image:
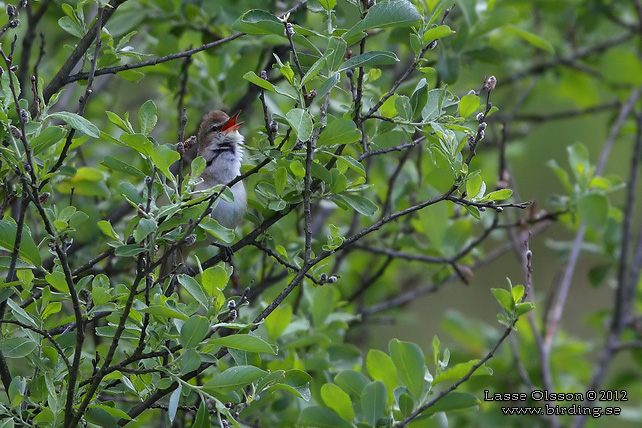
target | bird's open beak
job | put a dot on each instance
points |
(231, 124)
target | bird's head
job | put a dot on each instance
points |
(218, 130)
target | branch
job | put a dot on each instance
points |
(54, 86)
(63, 76)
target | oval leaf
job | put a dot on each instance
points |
(245, 342)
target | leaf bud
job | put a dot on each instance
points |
(190, 240)
(263, 75)
(490, 83)
(231, 305)
(148, 180)
(14, 23)
(323, 277)
(470, 138)
(480, 117)
(16, 132)
(332, 279)
(44, 197)
(312, 94)
(189, 143)
(482, 208)
(432, 45)
(273, 127)
(529, 255)
(349, 73)
(11, 11)
(482, 134)
(472, 92)
(482, 126)
(298, 145)
(24, 115)
(27, 166)
(289, 29)
(180, 148)
(32, 78)
(233, 315)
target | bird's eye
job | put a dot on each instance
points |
(215, 128)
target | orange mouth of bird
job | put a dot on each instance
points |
(231, 124)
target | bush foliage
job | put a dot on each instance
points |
(378, 164)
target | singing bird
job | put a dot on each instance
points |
(219, 143)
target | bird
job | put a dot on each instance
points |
(219, 143)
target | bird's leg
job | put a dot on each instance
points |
(226, 252)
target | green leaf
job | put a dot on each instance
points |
(301, 122)
(328, 4)
(460, 370)
(339, 131)
(144, 228)
(406, 404)
(280, 180)
(438, 32)
(77, 122)
(261, 83)
(314, 69)
(118, 165)
(258, 22)
(128, 250)
(138, 142)
(17, 347)
(474, 184)
(504, 297)
(369, 58)
(322, 418)
(498, 195)
(411, 365)
(202, 419)
(47, 138)
(468, 105)
(163, 311)
(278, 321)
(164, 157)
(373, 401)
(361, 204)
(120, 122)
(20, 314)
(393, 13)
(351, 381)
(174, 401)
(245, 342)
(522, 308)
(193, 331)
(147, 117)
(217, 230)
(194, 289)
(337, 48)
(28, 249)
(453, 401)
(381, 367)
(418, 98)
(593, 208)
(336, 399)
(57, 280)
(531, 38)
(517, 292)
(234, 378)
